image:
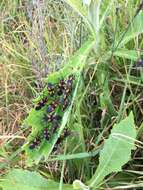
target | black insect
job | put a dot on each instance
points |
(65, 134)
(55, 127)
(52, 118)
(55, 147)
(59, 91)
(62, 84)
(139, 8)
(52, 107)
(35, 143)
(61, 87)
(68, 87)
(70, 80)
(65, 104)
(48, 118)
(67, 90)
(46, 134)
(139, 63)
(60, 139)
(71, 77)
(57, 118)
(58, 143)
(64, 101)
(64, 97)
(51, 89)
(41, 104)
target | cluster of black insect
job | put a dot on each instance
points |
(59, 97)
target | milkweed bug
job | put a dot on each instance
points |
(46, 134)
(52, 107)
(51, 88)
(41, 104)
(35, 143)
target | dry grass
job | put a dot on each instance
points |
(34, 41)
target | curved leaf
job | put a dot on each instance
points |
(26, 180)
(116, 151)
(134, 30)
(77, 5)
(127, 54)
(75, 64)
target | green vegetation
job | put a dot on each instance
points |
(94, 49)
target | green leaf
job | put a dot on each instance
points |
(103, 83)
(116, 151)
(78, 7)
(78, 185)
(134, 30)
(35, 118)
(75, 64)
(93, 15)
(108, 5)
(74, 156)
(127, 54)
(86, 2)
(19, 179)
